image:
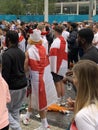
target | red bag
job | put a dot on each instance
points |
(73, 126)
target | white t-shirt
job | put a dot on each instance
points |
(95, 40)
(87, 118)
(65, 34)
(45, 43)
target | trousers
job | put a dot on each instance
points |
(17, 98)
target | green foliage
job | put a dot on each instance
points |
(15, 7)
(19, 7)
(51, 7)
(3, 7)
(11, 7)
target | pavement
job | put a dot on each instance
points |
(57, 120)
(34, 124)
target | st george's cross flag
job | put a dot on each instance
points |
(58, 56)
(43, 89)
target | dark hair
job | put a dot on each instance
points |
(22, 23)
(35, 26)
(58, 29)
(55, 23)
(87, 34)
(12, 37)
(73, 25)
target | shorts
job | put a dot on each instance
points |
(56, 77)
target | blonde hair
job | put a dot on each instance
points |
(31, 42)
(86, 72)
(41, 27)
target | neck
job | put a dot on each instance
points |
(86, 47)
(11, 45)
(58, 35)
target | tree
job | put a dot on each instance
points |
(20, 7)
(3, 8)
(36, 7)
(52, 7)
(14, 7)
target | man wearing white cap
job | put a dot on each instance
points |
(43, 88)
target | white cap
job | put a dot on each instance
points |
(36, 35)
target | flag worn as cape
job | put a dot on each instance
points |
(58, 56)
(43, 89)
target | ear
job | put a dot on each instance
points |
(83, 41)
(7, 41)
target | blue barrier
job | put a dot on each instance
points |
(71, 18)
(39, 18)
(8, 17)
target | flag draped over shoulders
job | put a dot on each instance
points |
(58, 56)
(43, 88)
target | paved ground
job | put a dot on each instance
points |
(34, 124)
(56, 120)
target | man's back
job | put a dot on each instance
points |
(13, 68)
(13, 72)
(91, 54)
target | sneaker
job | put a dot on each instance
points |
(24, 119)
(42, 128)
(38, 116)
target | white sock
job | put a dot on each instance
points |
(58, 99)
(44, 122)
(62, 98)
(28, 114)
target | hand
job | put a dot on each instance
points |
(69, 73)
(68, 78)
(70, 103)
(65, 80)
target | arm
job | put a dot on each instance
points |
(95, 40)
(72, 38)
(8, 97)
(26, 62)
(6, 67)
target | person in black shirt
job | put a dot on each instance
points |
(13, 72)
(85, 37)
(72, 45)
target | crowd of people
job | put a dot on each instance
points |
(44, 57)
